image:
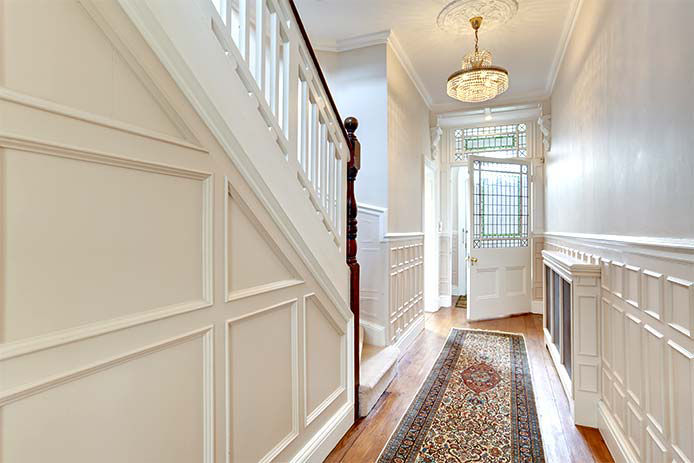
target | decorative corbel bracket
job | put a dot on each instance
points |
(545, 123)
(435, 133)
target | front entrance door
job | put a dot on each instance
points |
(498, 241)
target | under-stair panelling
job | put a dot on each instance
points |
(157, 302)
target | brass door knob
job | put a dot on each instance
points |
(473, 260)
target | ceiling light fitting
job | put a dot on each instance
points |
(478, 80)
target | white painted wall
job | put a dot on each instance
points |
(357, 80)
(622, 123)
(408, 145)
(621, 167)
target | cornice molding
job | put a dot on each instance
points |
(352, 43)
(386, 37)
(409, 69)
(567, 32)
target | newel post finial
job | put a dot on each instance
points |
(353, 165)
(351, 125)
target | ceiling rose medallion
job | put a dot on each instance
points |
(456, 15)
(478, 80)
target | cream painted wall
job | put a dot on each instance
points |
(622, 122)
(408, 144)
(357, 81)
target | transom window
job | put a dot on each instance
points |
(499, 141)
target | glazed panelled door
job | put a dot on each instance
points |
(499, 251)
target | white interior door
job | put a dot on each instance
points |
(498, 244)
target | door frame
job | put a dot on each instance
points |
(461, 202)
(431, 244)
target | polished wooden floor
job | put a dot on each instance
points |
(563, 442)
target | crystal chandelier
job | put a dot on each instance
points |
(478, 80)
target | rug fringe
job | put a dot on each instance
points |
(490, 331)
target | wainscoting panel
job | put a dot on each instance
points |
(74, 421)
(247, 241)
(110, 228)
(646, 345)
(263, 389)
(392, 278)
(372, 253)
(324, 341)
(406, 283)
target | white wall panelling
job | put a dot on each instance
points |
(392, 294)
(50, 405)
(325, 379)
(372, 254)
(262, 401)
(242, 245)
(121, 181)
(647, 355)
(405, 283)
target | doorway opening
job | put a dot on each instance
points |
(459, 234)
(490, 220)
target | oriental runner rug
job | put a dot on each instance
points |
(476, 405)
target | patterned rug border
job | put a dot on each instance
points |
(440, 359)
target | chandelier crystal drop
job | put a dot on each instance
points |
(478, 80)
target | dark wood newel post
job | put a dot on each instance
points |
(351, 125)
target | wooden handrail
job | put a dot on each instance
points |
(316, 64)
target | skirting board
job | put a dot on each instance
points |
(409, 336)
(325, 440)
(615, 440)
(536, 307)
(374, 333)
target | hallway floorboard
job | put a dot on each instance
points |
(563, 442)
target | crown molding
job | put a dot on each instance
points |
(352, 43)
(386, 37)
(409, 69)
(567, 32)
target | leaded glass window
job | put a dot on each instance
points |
(458, 154)
(500, 205)
(499, 141)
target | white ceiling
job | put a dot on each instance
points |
(530, 45)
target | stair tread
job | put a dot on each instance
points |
(375, 363)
